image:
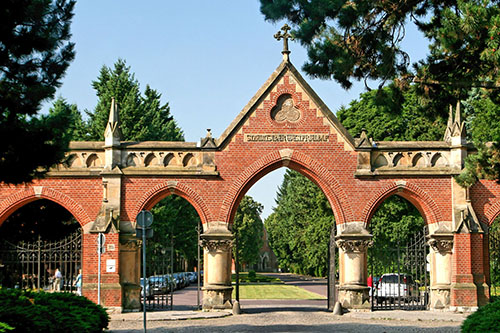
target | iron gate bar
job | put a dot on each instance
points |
(494, 254)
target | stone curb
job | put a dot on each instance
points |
(169, 315)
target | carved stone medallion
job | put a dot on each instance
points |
(285, 110)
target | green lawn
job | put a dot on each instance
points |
(274, 291)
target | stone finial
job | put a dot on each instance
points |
(285, 36)
(208, 141)
(113, 133)
(455, 129)
(363, 141)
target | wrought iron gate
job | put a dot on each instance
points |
(399, 279)
(32, 265)
(160, 283)
(494, 249)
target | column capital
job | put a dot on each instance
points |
(441, 242)
(355, 243)
(217, 240)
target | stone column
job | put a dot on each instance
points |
(440, 269)
(130, 268)
(353, 290)
(217, 289)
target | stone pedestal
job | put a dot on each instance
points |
(441, 245)
(353, 291)
(217, 290)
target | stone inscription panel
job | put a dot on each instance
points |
(286, 137)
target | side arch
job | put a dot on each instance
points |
(493, 212)
(411, 192)
(21, 198)
(295, 160)
(160, 191)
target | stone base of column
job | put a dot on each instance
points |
(354, 297)
(131, 297)
(440, 297)
(217, 297)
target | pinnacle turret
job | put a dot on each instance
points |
(113, 133)
(455, 129)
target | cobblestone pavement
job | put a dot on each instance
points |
(302, 319)
(289, 316)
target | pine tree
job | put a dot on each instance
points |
(143, 118)
(34, 54)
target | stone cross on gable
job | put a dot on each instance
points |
(285, 36)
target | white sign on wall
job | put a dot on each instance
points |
(110, 265)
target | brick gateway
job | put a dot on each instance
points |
(285, 124)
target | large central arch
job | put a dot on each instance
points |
(297, 161)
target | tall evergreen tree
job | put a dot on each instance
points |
(143, 118)
(248, 228)
(34, 54)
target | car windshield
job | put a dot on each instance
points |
(394, 279)
(156, 279)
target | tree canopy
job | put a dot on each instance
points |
(248, 228)
(34, 54)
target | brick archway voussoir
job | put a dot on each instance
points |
(409, 191)
(160, 191)
(493, 212)
(21, 198)
(295, 160)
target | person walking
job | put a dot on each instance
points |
(78, 283)
(57, 279)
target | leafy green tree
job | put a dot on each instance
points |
(300, 225)
(34, 54)
(392, 225)
(248, 228)
(143, 118)
(76, 128)
(174, 217)
(391, 114)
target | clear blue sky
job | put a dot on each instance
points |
(206, 58)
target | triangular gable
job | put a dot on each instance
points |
(287, 68)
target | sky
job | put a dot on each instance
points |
(206, 58)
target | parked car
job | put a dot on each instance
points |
(387, 288)
(159, 284)
(149, 294)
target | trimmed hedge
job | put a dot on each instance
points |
(29, 311)
(485, 319)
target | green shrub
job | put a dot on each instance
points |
(30, 311)
(486, 319)
(4, 327)
(252, 276)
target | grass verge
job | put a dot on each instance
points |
(274, 291)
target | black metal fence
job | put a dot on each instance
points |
(399, 279)
(494, 250)
(33, 265)
(161, 282)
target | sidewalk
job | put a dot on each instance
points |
(169, 315)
